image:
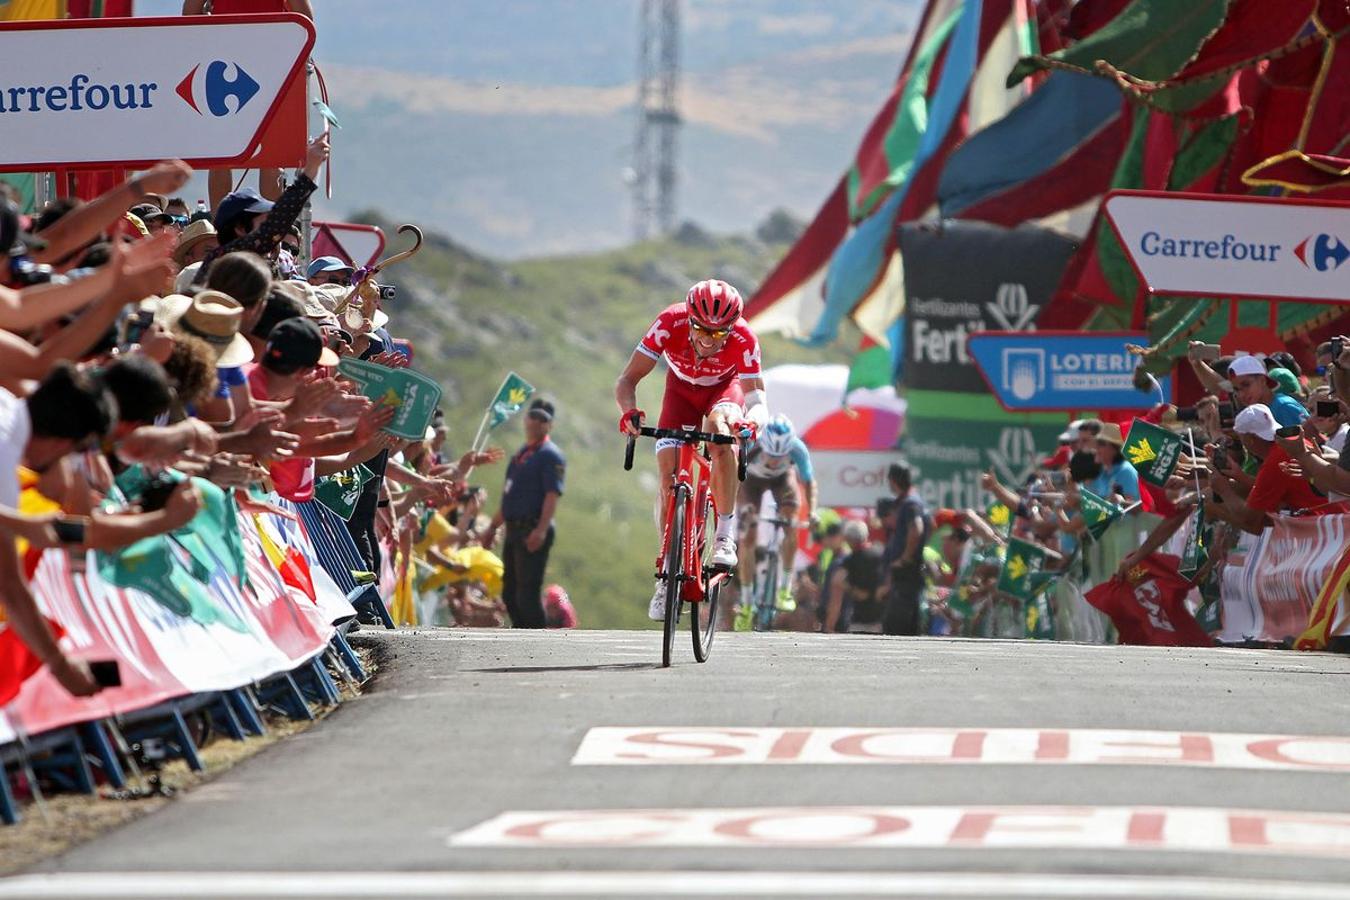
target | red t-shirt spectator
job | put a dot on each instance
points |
(291, 478)
(1277, 490)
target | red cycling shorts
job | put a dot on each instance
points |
(688, 404)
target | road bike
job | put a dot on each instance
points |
(690, 526)
(767, 572)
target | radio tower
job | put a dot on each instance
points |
(658, 119)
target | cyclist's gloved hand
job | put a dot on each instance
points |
(630, 421)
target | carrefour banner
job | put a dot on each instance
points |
(127, 92)
(967, 277)
(1230, 246)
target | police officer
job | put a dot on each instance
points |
(534, 482)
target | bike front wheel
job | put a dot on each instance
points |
(674, 580)
(703, 615)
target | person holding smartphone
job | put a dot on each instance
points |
(1278, 487)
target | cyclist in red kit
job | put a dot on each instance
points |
(713, 383)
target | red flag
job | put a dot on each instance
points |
(1148, 605)
(17, 662)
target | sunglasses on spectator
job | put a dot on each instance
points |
(180, 221)
(715, 333)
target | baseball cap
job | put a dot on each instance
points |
(1247, 365)
(245, 201)
(326, 264)
(1286, 382)
(1256, 420)
(541, 409)
(149, 212)
(296, 344)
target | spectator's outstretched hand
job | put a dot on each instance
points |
(166, 177)
(267, 441)
(75, 678)
(316, 154)
(314, 426)
(372, 420)
(482, 457)
(311, 397)
(183, 504)
(392, 359)
(346, 406)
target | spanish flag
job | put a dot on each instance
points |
(1329, 616)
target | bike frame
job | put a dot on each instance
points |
(691, 481)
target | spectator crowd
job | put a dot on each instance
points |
(146, 348)
(1265, 444)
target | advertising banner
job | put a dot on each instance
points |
(852, 477)
(1063, 370)
(967, 277)
(1212, 246)
(948, 455)
(129, 92)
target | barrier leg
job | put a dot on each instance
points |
(368, 596)
(223, 716)
(283, 694)
(66, 765)
(187, 747)
(97, 738)
(9, 812)
(246, 708)
(348, 656)
(316, 683)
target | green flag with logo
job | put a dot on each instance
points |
(1153, 451)
(413, 395)
(1023, 560)
(514, 393)
(1000, 518)
(1098, 513)
(1195, 554)
(149, 566)
(1039, 622)
(340, 491)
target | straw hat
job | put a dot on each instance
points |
(212, 316)
(1111, 434)
(193, 235)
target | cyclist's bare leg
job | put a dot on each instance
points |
(724, 481)
(787, 550)
(667, 458)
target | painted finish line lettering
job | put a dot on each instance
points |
(960, 746)
(1191, 829)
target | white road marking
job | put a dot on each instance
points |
(719, 745)
(175, 885)
(1188, 829)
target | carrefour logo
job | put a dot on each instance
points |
(1327, 252)
(1155, 243)
(213, 89)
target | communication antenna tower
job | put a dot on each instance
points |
(658, 118)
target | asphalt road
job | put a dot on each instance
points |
(459, 773)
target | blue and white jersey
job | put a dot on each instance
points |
(761, 465)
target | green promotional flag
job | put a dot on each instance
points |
(1098, 514)
(1210, 613)
(1195, 554)
(1000, 518)
(1023, 560)
(413, 395)
(1153, 451)
(511, 396)
(1040, 624)
(339, 492)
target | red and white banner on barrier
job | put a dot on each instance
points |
(265, 627)
(1274, 580)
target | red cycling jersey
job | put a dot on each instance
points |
(694, 386)
(669, 337)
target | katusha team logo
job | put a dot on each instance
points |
(1327, 255)
(213, 90)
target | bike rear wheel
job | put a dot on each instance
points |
(766, 599)
(703, 615)
(674, 578)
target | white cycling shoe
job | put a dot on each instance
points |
(724, 552)
(656, 610)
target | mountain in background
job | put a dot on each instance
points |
(510, 123)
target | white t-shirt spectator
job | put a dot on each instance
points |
(15, 428)
(1337, 441)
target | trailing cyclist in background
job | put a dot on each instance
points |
(778, 462)
(713, 383)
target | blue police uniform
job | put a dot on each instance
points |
(534, 472)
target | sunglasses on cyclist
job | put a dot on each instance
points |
(715, 333)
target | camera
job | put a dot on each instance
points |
(387, 292)
(136, 324)
(23, 272)
(156, 492)
(1327, 409)
(1336, 347)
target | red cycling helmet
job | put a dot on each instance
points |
(714, 303)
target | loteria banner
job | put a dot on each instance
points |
(1232, 246)
(99, 93)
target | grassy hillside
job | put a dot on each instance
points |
(567, 325)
